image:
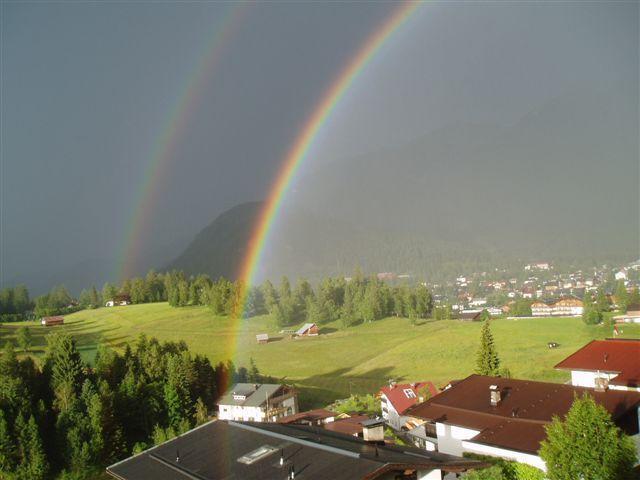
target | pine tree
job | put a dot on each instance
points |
(7, 446)
(602, 301)
(201, 415)
(487, 361)
(33, 462)
(634, 298)
(109, 291)
(622, 296)
(24, 338)
(590, 313)
(67, 368)
(587, 444)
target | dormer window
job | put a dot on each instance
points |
(239, 397)
(409, 393)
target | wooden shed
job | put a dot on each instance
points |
(308, 330)
(51, 321)
(262, 338)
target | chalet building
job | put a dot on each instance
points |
(255, 402)
(51, 321)
(222, 450)
(308, 330)
(632, 315)
(262, 338)
(397, 398)
(119, 300)
(565, 307)
(605, 364)
(505, 418)
(470, 315)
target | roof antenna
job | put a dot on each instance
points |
(292, 472)
(177, 456)
(281, 457)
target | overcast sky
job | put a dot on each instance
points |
(87, 89)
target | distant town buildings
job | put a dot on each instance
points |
(564, 307)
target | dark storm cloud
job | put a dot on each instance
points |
(87, 89)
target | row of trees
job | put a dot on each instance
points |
(15, 303)
(361, 299)
(72, 420)
(594, 306)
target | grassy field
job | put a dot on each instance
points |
(359, 359)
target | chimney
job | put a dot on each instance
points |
(495, 396)
(373, 430)
(392, 383)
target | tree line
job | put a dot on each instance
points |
(15, 304)
(67, 419)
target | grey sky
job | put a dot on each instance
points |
(87, 88)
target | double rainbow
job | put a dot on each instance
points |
(305, 140)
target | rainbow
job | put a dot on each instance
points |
(156, 169)
(305, 140)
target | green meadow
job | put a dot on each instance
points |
(358, 360)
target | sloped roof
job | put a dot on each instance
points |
(524, 405)
(304, 328)
(256, 394)
(310, 415)
(621, 356)
(313, 453)
(399, 399)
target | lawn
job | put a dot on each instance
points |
(359, 359)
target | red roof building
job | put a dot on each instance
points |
(505, 418)
(610, 363)
(398, 398)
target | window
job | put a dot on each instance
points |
(257, 454)
(409, 393)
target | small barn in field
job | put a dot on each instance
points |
(51, 321)
(262, 338)
(308, 330)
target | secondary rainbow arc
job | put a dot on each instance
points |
(163, 151)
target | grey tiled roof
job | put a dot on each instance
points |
(256, 394)
(214, 452)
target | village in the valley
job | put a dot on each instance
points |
(419, 429)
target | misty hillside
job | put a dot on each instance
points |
(562, 183)
(563, 177)
(219, 248)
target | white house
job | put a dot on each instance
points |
(605, 364)
(632, 315)
(397, 398)
(565, 307)
(253, 402)
(621, 275)
(505, 418)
